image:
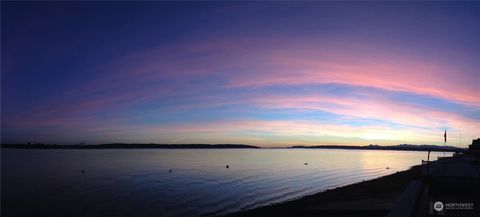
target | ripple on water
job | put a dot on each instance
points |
(138, 183)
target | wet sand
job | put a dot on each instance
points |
(368, 198)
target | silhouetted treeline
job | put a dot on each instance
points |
(126, 146)
(402, 147)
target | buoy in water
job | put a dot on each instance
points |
(227, 166)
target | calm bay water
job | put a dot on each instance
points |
(126, 182)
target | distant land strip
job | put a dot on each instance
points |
(127, 146)
(402, 147)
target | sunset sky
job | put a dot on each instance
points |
(269, 74)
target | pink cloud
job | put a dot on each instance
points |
(250, 63)
(373, 70)
(373, 107)
(261, 62)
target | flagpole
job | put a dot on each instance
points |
(444, 142)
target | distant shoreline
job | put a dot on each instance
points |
(130, 146)
(402, 147)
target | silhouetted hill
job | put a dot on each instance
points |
(127, 146)
(401, 147)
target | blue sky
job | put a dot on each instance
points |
(262, 73)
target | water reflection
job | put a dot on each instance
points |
(139, 183)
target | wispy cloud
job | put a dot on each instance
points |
(230, 79)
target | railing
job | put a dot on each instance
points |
(406, 204)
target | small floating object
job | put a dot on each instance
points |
(228, 166)
(305, 163)
(387, 168)
(83, 171)
(169, 170)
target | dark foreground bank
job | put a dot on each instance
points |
(368, 198)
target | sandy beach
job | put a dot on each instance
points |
(368, 198)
